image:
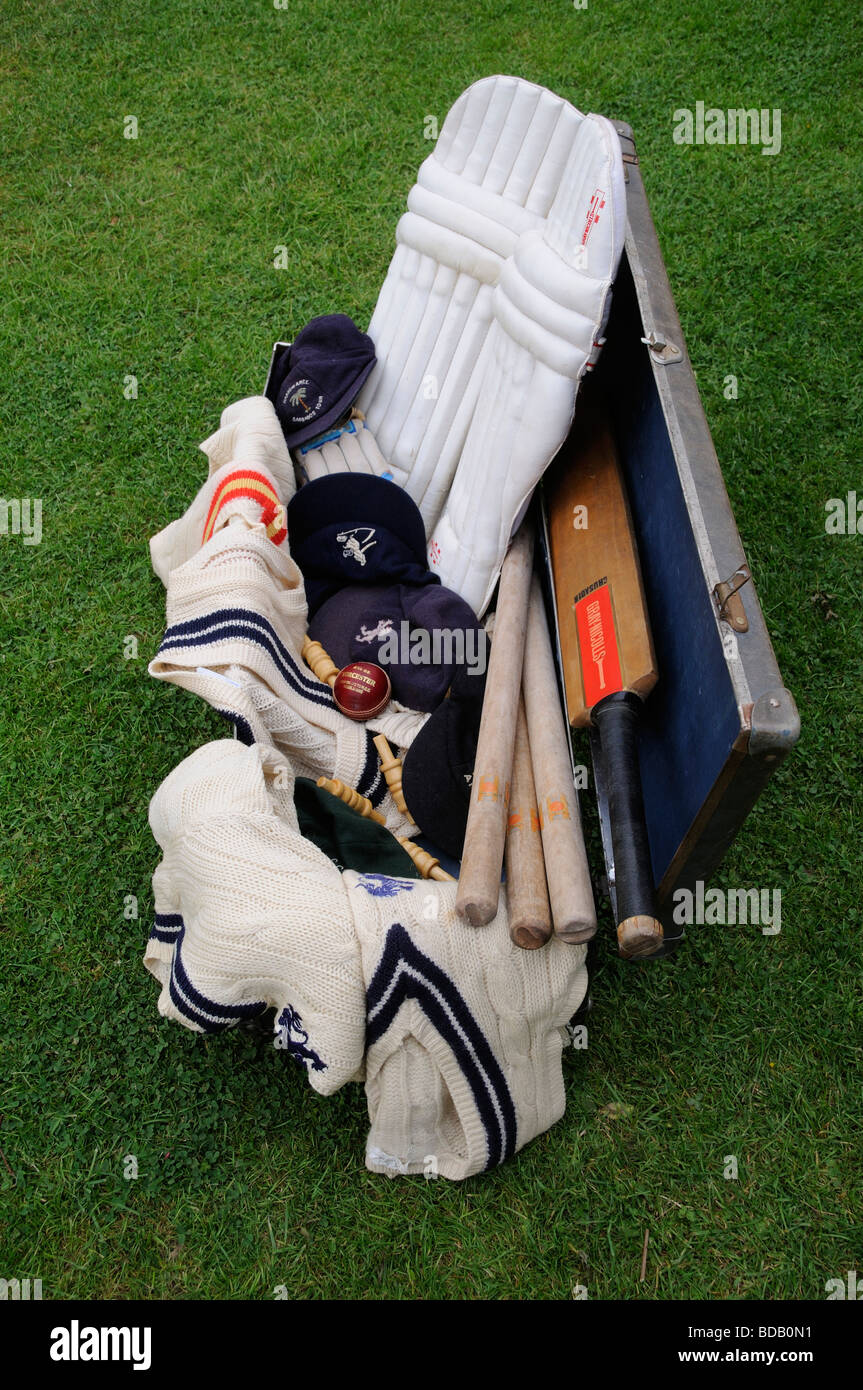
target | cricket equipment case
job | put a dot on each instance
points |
(719, 720)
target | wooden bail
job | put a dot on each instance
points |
(428, 866)
(319, 662)
(391, 766)
(351, 798)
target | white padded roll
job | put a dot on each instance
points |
(352, 449)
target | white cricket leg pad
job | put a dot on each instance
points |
(491, 311)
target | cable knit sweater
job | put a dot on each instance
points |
(457, 1033)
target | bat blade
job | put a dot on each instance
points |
(609, 664)
(605, 640)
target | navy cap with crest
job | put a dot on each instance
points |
(317, 378)
(419, 633)
(356, 528)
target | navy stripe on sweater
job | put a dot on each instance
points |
(230, 623)
(227, 624)
(242, 726)
(372, 782)
(404, 972)
(166, 926)
(208, 1014)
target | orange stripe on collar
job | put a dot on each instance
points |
(246, 483)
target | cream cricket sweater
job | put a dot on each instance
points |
(457, 1032)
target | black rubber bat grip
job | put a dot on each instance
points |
(616, 717)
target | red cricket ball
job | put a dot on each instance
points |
(361, 690)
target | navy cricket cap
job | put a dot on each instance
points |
(364, 622)
(356, 528)
(437, 769)
(318, 377)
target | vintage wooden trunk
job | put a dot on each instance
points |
(719, 720)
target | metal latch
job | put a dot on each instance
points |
(661, 351)
(627, 146)
(627, 149)
(730, 605)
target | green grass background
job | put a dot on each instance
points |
(154, 257)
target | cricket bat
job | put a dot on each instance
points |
(609, 666)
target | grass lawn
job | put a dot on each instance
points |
(153, 258)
